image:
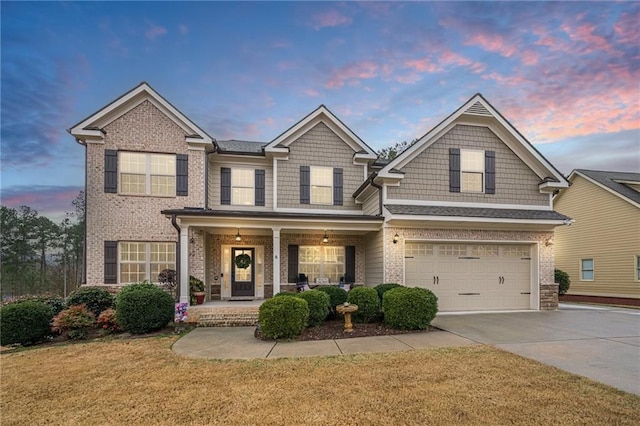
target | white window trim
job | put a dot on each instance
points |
(147, 175)
(463, 171)
(147, 259)
(593, 270)
(322, 262)
(253, 186)
(636, 270)
(311, 185)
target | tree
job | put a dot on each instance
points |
(393, 151)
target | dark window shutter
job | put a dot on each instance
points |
(259, 187)
(110, 171)
(337, 186)
(182, 174)
(454, 170)
(305, 185)
(225, 185)
(349, 264)
(489, 172)
(293, 264)
(111, 262)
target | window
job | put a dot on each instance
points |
(321, 262)
(321, 185)
(638, 267)
(242, 191)
(586, 269)
(150, 174)
(472, 170)
(139, 261)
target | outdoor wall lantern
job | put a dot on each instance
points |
(238, 236)
(325, 239)
(396, 238)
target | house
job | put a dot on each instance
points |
(601, 251)
(466, 211)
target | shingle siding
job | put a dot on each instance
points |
(217, 162)
(113, 217)
(318, 147)
(427, 176)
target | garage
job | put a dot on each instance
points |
(471, 277)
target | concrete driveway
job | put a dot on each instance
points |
(602, 344)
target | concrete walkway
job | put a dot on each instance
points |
(239, 343)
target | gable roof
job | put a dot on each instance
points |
(611, 181)
(477, 110)
(324, 115)
(92, 126)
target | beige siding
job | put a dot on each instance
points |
(371, 205)
(114, 217)
(606, 229)
(217, 162)
(427, 176)
(318, 147)
(374, 268)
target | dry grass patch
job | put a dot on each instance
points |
(143, 382)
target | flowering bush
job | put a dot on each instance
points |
(107, 321)
(74, 322)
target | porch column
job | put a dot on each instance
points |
(184, 264)
(276, 261)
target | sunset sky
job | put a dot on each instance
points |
(566, 75)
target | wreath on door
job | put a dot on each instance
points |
(243, 261)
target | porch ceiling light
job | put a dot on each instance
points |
(396, 238)
(238, 236)
(325, 239)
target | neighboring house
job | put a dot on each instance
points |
(601, 251)
(466, 211)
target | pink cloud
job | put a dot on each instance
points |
(155, 31)
(627, 28)
(410, 78)
(492, 43)
(423, 65)
(331, 18)
(529, 57)
(353, 73)
(312, 93)
(586, 34)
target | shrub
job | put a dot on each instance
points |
(409, 308)
(285, 293)
(96, 299)
(368, 303)
(143, 307)
(108, 322)
(318, 306)
(195, 285)
(337, 296)
(283, 317)
(26, 322)
(383, 288)
(57, 303)
(562, 278)
(74, 322)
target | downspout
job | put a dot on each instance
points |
(175, 225)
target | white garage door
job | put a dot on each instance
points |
(471, 277)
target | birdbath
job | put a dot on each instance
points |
(347, 309)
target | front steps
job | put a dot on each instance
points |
(241, 316)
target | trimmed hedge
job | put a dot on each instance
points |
(283, 317)
(409, 308)
(57, 303)
(337, 295)
(318, 306)
(383, 288)
(143, 307)
(368, 303)
(25, 322)
(563, 280)
(96, 299)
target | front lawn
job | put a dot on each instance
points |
(142, 382)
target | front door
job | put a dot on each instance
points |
(242, 272)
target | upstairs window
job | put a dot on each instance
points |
(472, 170)
(321, 185)
(242, 187)
(147, 174)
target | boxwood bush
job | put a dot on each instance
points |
(318, 306)
(57, 303)
(26, 322)
(283, 317)
(96, 299)
(143, 307)
(368, 303)
(562, 278)
(337, 296)
(409, 308)
(383, 288)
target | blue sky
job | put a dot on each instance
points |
(567, 75)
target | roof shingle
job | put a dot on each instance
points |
(477, 212)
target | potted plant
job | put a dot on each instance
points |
(197, 293)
